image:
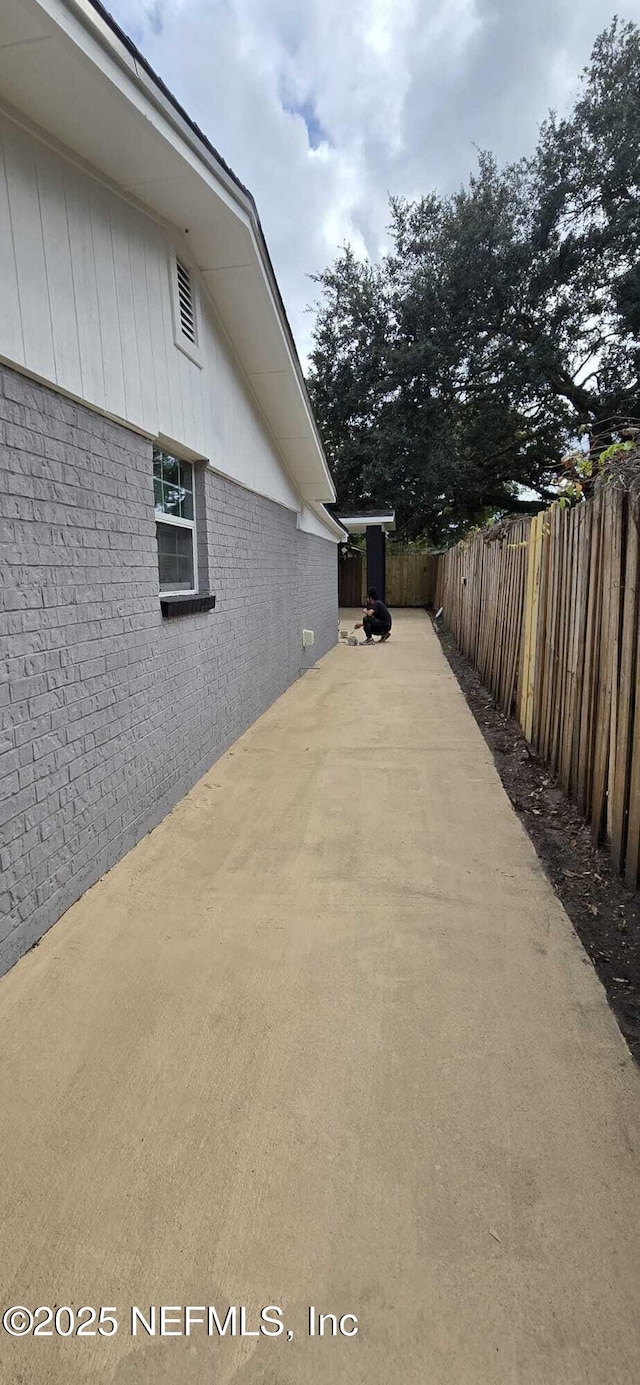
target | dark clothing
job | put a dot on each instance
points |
(381, 615)
(371, 626)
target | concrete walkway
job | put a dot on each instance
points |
(326, 1038)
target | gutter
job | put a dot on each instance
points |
(328, 520)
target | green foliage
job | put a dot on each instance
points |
(504, 323)
(618, 464)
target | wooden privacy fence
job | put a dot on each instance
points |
(547, 611)
(352, 575)
(411, 578)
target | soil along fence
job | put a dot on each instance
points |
(547, 611)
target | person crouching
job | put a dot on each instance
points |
(377, 619)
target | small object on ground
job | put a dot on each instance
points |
(495, 1236)
(353, 639)
(438, 612)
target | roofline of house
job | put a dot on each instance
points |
(365, 519)
(332, 521)
(140, 60)
(90, 13)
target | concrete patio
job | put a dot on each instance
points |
(326, 1037)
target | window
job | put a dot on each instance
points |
(175, 523)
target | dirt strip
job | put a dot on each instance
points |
(604, 913)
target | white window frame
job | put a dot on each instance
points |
(189, 348)
(162, 517)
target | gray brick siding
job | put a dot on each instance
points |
(108, 713)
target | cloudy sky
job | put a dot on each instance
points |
(324, 107)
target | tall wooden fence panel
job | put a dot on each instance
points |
(547, 610)
(352, 574)
(411, 578)
(481, 586)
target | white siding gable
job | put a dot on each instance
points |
(86, 293)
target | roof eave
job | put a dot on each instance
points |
(194, 170)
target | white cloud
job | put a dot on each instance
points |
(325, 107)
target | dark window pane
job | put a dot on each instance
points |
(187, 504)
(166, 540)
(171, 470)
(185, 542)
(157, 492)
(175, 558)
(168, 569)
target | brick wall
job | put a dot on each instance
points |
(109, 714)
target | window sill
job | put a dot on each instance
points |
(172, 606)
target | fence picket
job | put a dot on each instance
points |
(548, 611)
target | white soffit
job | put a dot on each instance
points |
(358, 524)
(303, 450)
(244, 304)
(281, 399)
(22, 23)
(63, 68)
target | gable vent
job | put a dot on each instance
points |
(186, 303)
